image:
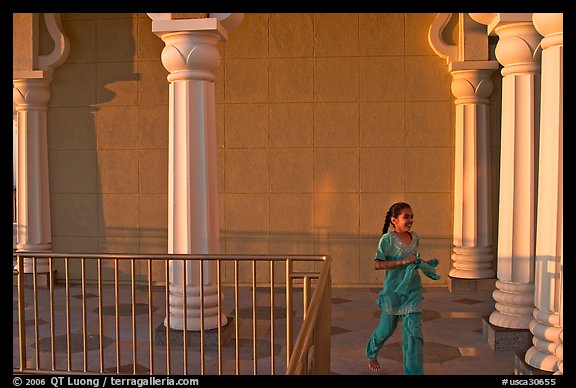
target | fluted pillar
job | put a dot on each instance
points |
(517, 50)
(472, 252)
(472, 86)
(31, 96)
(546, 323)
(32, 75)
(559, 351)
(191, 55)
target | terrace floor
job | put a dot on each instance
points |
(454, 344)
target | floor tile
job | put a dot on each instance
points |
(452, 328)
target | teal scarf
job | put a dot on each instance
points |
(429, 269)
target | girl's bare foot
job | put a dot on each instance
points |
(373, 365)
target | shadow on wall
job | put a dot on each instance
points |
(91, 121)
(115, 85)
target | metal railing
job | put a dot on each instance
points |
(311, 355)
(107, 313)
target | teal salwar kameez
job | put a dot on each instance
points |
(401, 296)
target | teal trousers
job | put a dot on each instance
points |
(412, 340)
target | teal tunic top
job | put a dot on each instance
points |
(404, 277)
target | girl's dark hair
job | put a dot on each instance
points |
(394, 211)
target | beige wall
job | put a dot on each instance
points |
(23, 48)
(323, 121)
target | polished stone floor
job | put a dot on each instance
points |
(453, 340)
(454, 344)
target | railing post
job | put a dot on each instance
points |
(289, 291)
(322, 337)
(21, 314)
(306, 294)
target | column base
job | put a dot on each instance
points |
(42, 279)
(476, 286)
(501, 339)
(193, 337)
(523, 368)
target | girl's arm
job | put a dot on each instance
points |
(388, 264)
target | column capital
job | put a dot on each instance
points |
(31, 93)
(191, 50)
(191, 55)
(551, 27)
(518, 48)
(472, 84)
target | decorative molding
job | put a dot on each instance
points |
(471, 47)
(436, 41)
(61, 43)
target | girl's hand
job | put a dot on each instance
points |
(406, 261)
(410, 260)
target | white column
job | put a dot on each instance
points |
(517, 50)
(191, 55)
(546, 323)
(471, 72)
(559, 351)
(31, 94)
(472, 252)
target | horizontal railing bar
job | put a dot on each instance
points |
(170, 256)
(301, 275)
(70, 372)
